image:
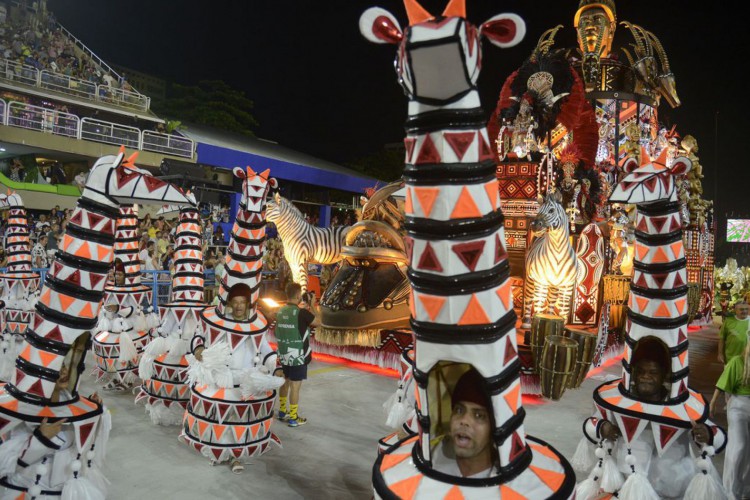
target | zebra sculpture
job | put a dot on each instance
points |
(461, 302)
(551, 264)
(303, 242)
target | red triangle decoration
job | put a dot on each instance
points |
(75, 278)
(54, 334)
(469, 253)
(152, 183)
(665, 434)
(683, 387)
(95, 279)
(36, 388)
(223, 408)
(19, 376)
(642, 225)
(94, 219)
(428, 153)
(76, 218)
(650, 183)
(124, 176)
(234, 340)
(409, 244)
(409, 145)
(429, 261)
(678, 280)
(641, 281)
(516, 448)
(631, 426)
(84, 431)
(485, 153)
(658, 223)
(510, 351)
(500, 253)
(3, 423)
(660, 279)
(459, 142)
(681, 337)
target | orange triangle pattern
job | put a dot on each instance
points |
(666, 412)
(552, 479)
(641, 251)
(504, 293)
(492, 188)
(454, 494)
(507, 493)
(474, 313)
(681, 303)
(408, 204)
(676, 248)
(642, 302)
(426, 197)
(406, 488)
(511, 398)
(65, 301)
(465, 206)
(662, 311)
(391, 459)
(692, 413)
(46, 357)
(660, 256)
(543, 450)
(432, 304)
(682, 357)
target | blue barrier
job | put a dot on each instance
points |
(161, 282)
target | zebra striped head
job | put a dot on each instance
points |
(551, 214)
(255, 188)
(278, 207)
(10, 200)
(651, 181)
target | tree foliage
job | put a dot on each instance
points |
(212, 103)
(386, 164)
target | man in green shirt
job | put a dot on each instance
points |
(734, 332)
(293, 322)
(735, 381)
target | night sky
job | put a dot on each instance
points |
(320, 88)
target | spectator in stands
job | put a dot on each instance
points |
(152, 261)
(144, 254)
(17, 171)
(161, 244)
(42, 223)
(53, 241)
(219, 266)
(218, 236)
(39, 252)
(3, 258)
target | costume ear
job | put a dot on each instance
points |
(239, 172)
(681, 166)
(504, 30)
(556, 196)
(379, 26)
(273, 183)
(630, 165)
(277, 198)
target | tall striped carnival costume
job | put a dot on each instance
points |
(44, 458)
(126, 320)
(462, 310)
(20, 286)
(229, 415)
(163, 366)
(645, 423)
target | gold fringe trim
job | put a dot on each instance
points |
(366, 338)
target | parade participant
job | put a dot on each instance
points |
(466, 451)
(735, 382)
(231, 363)
(734, 333)
(670, 472)
(39, 454)
(293, 322)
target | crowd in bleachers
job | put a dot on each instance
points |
(48, 48)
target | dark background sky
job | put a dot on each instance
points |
(319, 87)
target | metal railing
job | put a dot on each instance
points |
(110, 133)
(41, 119)
(18, 114)
(167, 143)
(16, 72)
(20, 73)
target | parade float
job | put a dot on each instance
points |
(20, 286)
(232, 387)
(44, 387)
(461, 303)
(565, 123)
(163, 366)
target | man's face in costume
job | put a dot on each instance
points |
(239, 307)
(741, 311)
(595, 32)
(470, 430)
(649, 380)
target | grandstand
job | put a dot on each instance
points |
(62, 106)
